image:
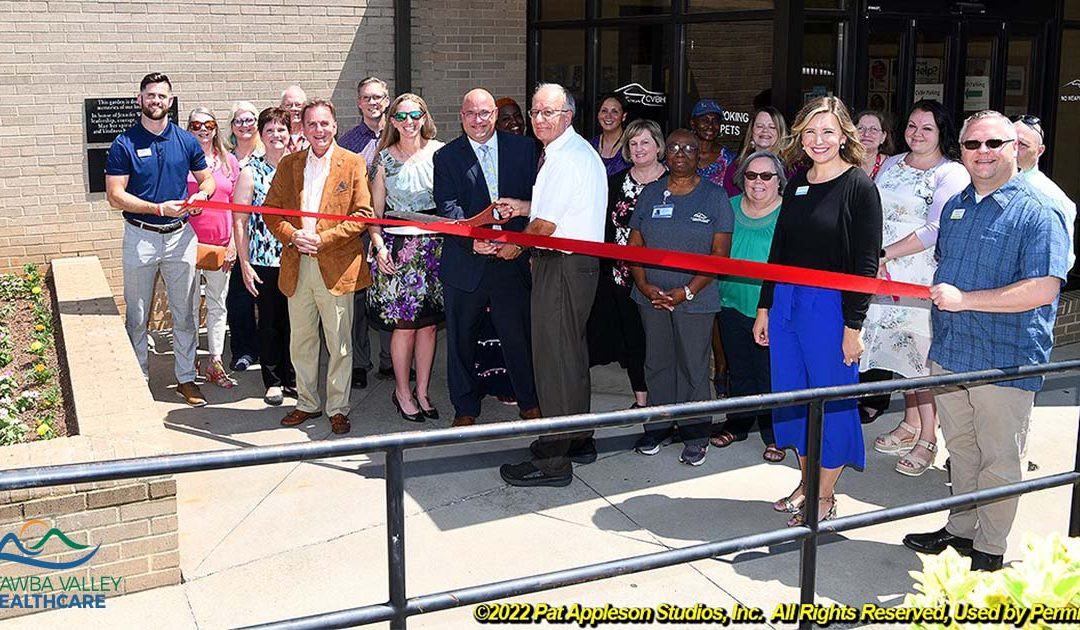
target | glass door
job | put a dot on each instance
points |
(983, 78)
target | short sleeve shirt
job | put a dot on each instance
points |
(571, 189)
(157, 166)
(683, 223)
(1013, 234)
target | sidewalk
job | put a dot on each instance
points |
(279, 541)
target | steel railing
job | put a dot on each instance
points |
(400, 607)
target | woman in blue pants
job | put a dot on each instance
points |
(830, 220)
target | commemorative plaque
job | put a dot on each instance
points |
(107, 118)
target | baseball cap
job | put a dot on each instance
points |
(706, 106)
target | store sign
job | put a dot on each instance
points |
(930, 91)
(976, 93)
(636, 94)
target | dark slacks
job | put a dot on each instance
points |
(508, 293)
(564, 286)
(277, 370)
(677, 350)
(748, 373)
(240, 315)
(361, 340)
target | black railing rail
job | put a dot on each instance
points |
(399, 607)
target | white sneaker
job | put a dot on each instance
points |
(273, 396)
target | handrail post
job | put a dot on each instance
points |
(1074, 513)
(812, 492)
(395, 534)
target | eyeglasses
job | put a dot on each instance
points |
(482, 115)
(243, 122)
(766, 176)
(415, 115)
(1030, 120)
(373, 98)
(198, 125)
(685, 149)
(546, 114)
(868, 129)
(993, 144)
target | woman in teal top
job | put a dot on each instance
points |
(761, 177)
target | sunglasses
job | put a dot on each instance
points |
(767, 176)
(401, 116)
(243, 122)
(993, 144)
(198, 125)
(1030, 120)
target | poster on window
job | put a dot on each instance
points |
(976, 93)
(880, 71)
(930, 91)
(1014, 81)
(927, 70)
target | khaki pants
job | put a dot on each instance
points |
(312, 302)
(985, 431)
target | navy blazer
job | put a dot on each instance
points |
(460, 192)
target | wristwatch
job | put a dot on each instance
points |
(688, 292)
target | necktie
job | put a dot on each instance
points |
(487, 163)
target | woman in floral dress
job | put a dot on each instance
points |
(406, 296)
(913, 187)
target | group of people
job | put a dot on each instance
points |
(966, 212)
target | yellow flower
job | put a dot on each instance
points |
(37, 346)
(39, 327)
(39, 368)
(36, 290)
(43, 428)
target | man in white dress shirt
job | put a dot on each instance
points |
(569, 201)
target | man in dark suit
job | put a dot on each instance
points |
(471, 172)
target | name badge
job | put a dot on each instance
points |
(144, 153)
(957, 213)
(801, 190)
(663, 211)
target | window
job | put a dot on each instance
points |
(1067, 124)
(883, 68)
(625, 8)
(729, 5)
(561, 9)
(732, 63)
(562, 60)
(1019, 67)
(822, 43)
(636, 62)
(977, 73)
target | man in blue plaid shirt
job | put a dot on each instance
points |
(1002, 257)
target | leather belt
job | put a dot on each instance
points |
(167, 228)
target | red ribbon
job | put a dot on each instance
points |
(660, 257)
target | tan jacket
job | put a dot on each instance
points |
(341, 256)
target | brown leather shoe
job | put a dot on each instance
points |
(339, 423)
(296, 417)
(530, 414)
(464, 421)
(191, 394)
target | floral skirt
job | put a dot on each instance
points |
(412, 297)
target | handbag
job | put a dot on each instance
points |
(210, 257)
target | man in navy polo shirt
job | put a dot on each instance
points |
(1002, 257)
(146, 178)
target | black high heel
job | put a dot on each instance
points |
(430, 414)
(413, 417)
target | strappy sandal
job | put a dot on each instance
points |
(913, 466)
(799, 519)
(791, 503)
(889, 444)
(773, 454)
(722, 439)
(216, 374)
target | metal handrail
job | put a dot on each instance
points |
(394, 444)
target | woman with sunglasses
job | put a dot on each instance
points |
(611, 115)
(831, 221)
(681, 211)
(259, 252)
(406, 294)
(762, 178)
(215, 229)
(244, 140)
(914, 186)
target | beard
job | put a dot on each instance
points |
(154, 114)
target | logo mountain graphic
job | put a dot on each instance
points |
(23, 554)
(1074, 83)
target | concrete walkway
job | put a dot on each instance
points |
(280, 541)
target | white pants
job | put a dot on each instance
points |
(217, 287)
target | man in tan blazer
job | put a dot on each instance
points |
(322, 263)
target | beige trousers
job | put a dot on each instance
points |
(312, 302)
(985, 430)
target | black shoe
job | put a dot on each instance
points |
(579, 453)
(243, 363)
(936, 542)
(527, 475)
(411, 417)
(359, 378)
(985, 561)
(289, 391)
(430, 414)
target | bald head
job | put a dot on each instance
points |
(1029, 145)
(478, 115)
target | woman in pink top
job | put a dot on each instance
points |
(215, 228)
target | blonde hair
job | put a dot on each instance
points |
(634, 129)
(390, 137)
(781, 131)
(851, 150)
(219, 144)
(237, 107)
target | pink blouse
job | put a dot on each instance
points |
(213, 227)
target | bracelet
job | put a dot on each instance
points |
(160, 212)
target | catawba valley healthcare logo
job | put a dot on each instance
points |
(26, 548)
